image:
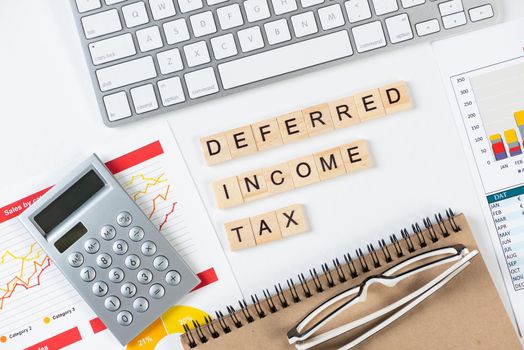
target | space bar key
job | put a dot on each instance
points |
(285, 59)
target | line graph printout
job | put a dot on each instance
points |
(485, 86)
(39, 309)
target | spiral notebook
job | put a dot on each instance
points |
(466, 313)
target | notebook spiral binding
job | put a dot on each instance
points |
(355, 265)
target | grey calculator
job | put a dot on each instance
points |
(117, 260)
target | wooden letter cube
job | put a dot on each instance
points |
(369, 105)
(329, 164)
(215, 148)
(344, 112)
(395, 97)
(265, 227)
(267, 134)
(304, 171)
(292, 127)
(278, 178)
(252, 185)
(356, 156)
(317, 119)
(240, 234)
(227, 193)
(292, 220)
(241, 141)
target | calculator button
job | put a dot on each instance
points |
(140, 304)
(99, 289)
(128, 289)
(124, 318)
(156, 291)
(148, 248)
(75, 259)
(132, 262)
(112, 303)
(173, 277)
(91, 246)
(120, 247)
(136, 234)
(160, 263)
(124, 219)
(103, 260)
(116, 275)
(144, 276)
(87, 274)
(108, 232)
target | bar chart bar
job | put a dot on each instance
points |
(513, 142)
(498, 147)
(519, 118)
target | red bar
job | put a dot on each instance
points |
(498, 147)
(135, 157)
(16, 208)
(206, 277)
(97, 325)
(58, 341)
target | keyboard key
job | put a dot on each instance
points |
(224, 46)
(156, 291)
(230, 16)
(450, 7)
(75, 259)
(116, 275)
(308, 3)
(144, 276)
(87, 5)
(171, 91)
(190, 5)
(112, 49)
(132, 262)
(144, 98)
(126, 73)
(162, 8)
(104, 260)
(108, 232)
(304, 24)
(99, 289)
(173, 278)
(149, 38)
(160, 263)
(148, 248)
(285, 59)
(399, 28)
(383, 7)
(176, 31)
(117, 106)
(124, 219)
(357, 10)
(112, 303)
(277, 31)
(455, 20)
(140, 305)
(196, 54)
(169, 61)
(87, 274)
(214, 2)
(128, 290)
(136, 233)
(331, 17)
(411, 3)
(101, 23)
(284, 6)
(91, 246)
(112, 2)
(256, 10)
(135, 14)
(120, 247)
(369, 36)
(203, 24)
(201, 82)
(250, 39)
(124, 318)
(480, 13)
(427, 27)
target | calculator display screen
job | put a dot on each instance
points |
(69, 201)
(70, 237)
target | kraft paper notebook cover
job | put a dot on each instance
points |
(466, 313)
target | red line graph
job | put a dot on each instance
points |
(167, 216)
(17, 281)
(160, 195)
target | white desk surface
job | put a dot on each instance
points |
(50, 118)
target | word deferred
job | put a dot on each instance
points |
(267, 227)
(294, 126)
(259, 183)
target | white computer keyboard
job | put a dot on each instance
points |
(151, 56)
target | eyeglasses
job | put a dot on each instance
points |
(302, 335)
